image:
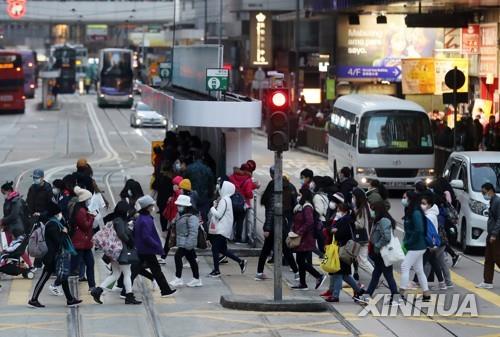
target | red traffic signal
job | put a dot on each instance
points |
(278, 104)
(278, 99)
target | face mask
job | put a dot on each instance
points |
(339, 215)
(312, 186)
(129, 192)
(332, 205)
(372, 214)
(59, 216)
(181, 209)
(301, 181)
(424, 207)
(56, 191)
(486, 197)
(404, 202)
(37, 181)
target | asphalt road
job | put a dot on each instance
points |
(54, 140)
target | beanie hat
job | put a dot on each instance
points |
(177, 180)
(53, 209)
(82, 194)
(185, 184)
(145, 201)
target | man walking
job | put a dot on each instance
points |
(492, 252)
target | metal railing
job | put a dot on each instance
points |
(316, 138)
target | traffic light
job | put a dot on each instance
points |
(278, 103)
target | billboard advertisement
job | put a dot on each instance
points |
(370, 50)
(191, 63)
(97, 32)
(261, 39)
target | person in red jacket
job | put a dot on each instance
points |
(170, 214)
(81, 235)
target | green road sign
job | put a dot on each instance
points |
(165, 71)
(217, 79)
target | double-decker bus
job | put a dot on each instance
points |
(115, 78)
(29, 69)
(65, 60)
(12, 96)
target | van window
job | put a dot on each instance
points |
(462, 175)
(485, 173)
(340, 126)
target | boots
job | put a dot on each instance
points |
(96, 294)
(130, 299)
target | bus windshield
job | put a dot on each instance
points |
(395, 132)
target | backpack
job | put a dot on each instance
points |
(238, 202)
(37, 247)
(432, 238)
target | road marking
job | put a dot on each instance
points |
(19, 291)
(19, 162)
(486, 295)
(37, 326)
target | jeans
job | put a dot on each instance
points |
(336, 283)
(219, 247)
(380, 269)
(440, 255)
(117, 270)
(87, 257)
(413, 258)
(191, 257)
(266, 250)
(305, 265)
(150, 261)
(48, 270)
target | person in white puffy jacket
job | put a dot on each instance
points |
(221, 228)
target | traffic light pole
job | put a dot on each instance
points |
(278, 225)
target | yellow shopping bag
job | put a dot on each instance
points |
(331, 261)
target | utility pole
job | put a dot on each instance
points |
(278, 225)
(220, 22)
(297, 57)
(173, 41)
(206, 23)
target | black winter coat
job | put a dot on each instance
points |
(39, 197)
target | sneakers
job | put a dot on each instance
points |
(455, 259)
(484, 285)
(168, 293)
(243, 266)
(223, 260)
(450, 284)
(196, 282)
(162, 260)
(296, 276)
(130, 299)
(261, 277)
(55, 291)
(82, 279)
(300, 287)
(35, 304)
(271, 260)
(332, 299)
(96, 294)
(177, 282)
(442, 286)
(327, 293)
(73, 303)
(214, 274)
(364, 299)
(123, 295)
(319, 281)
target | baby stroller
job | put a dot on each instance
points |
(10, 258)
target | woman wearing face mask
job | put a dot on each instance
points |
(148, 244)
(377, 193)
(320, 203)
(414, 241)
(186, 227)
(170, 214)
(362, 224)
(57, 191)
(380, 236)
(342, 231)
(81, 229)
(58, 243)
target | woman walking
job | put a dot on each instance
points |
(123, 233)
(81, 227)
(414, 241)
(221, 228)
(148, 244)
(304, 226)
(362, 224)
(342, 231)
(380, 236)
(186, 227)
(59, 247)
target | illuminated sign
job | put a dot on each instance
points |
(16, 9)
(7, 66)
(260, 39)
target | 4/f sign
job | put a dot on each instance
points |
(217, 79)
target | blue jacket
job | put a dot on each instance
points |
(415, 231)
(146, 238)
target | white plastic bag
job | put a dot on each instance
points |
(392, 253)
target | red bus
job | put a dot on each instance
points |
(12, 96)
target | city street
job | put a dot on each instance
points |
(54, 140)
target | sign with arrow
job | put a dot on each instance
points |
(391, 74)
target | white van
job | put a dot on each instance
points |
(467, 172)
(381, 137)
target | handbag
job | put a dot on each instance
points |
(107, 240)
(392, 253)
(128, 256)
(63, 265)
(331, 261)
(350, 251)
(293, 240)
(202, 238)
(172, 236)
